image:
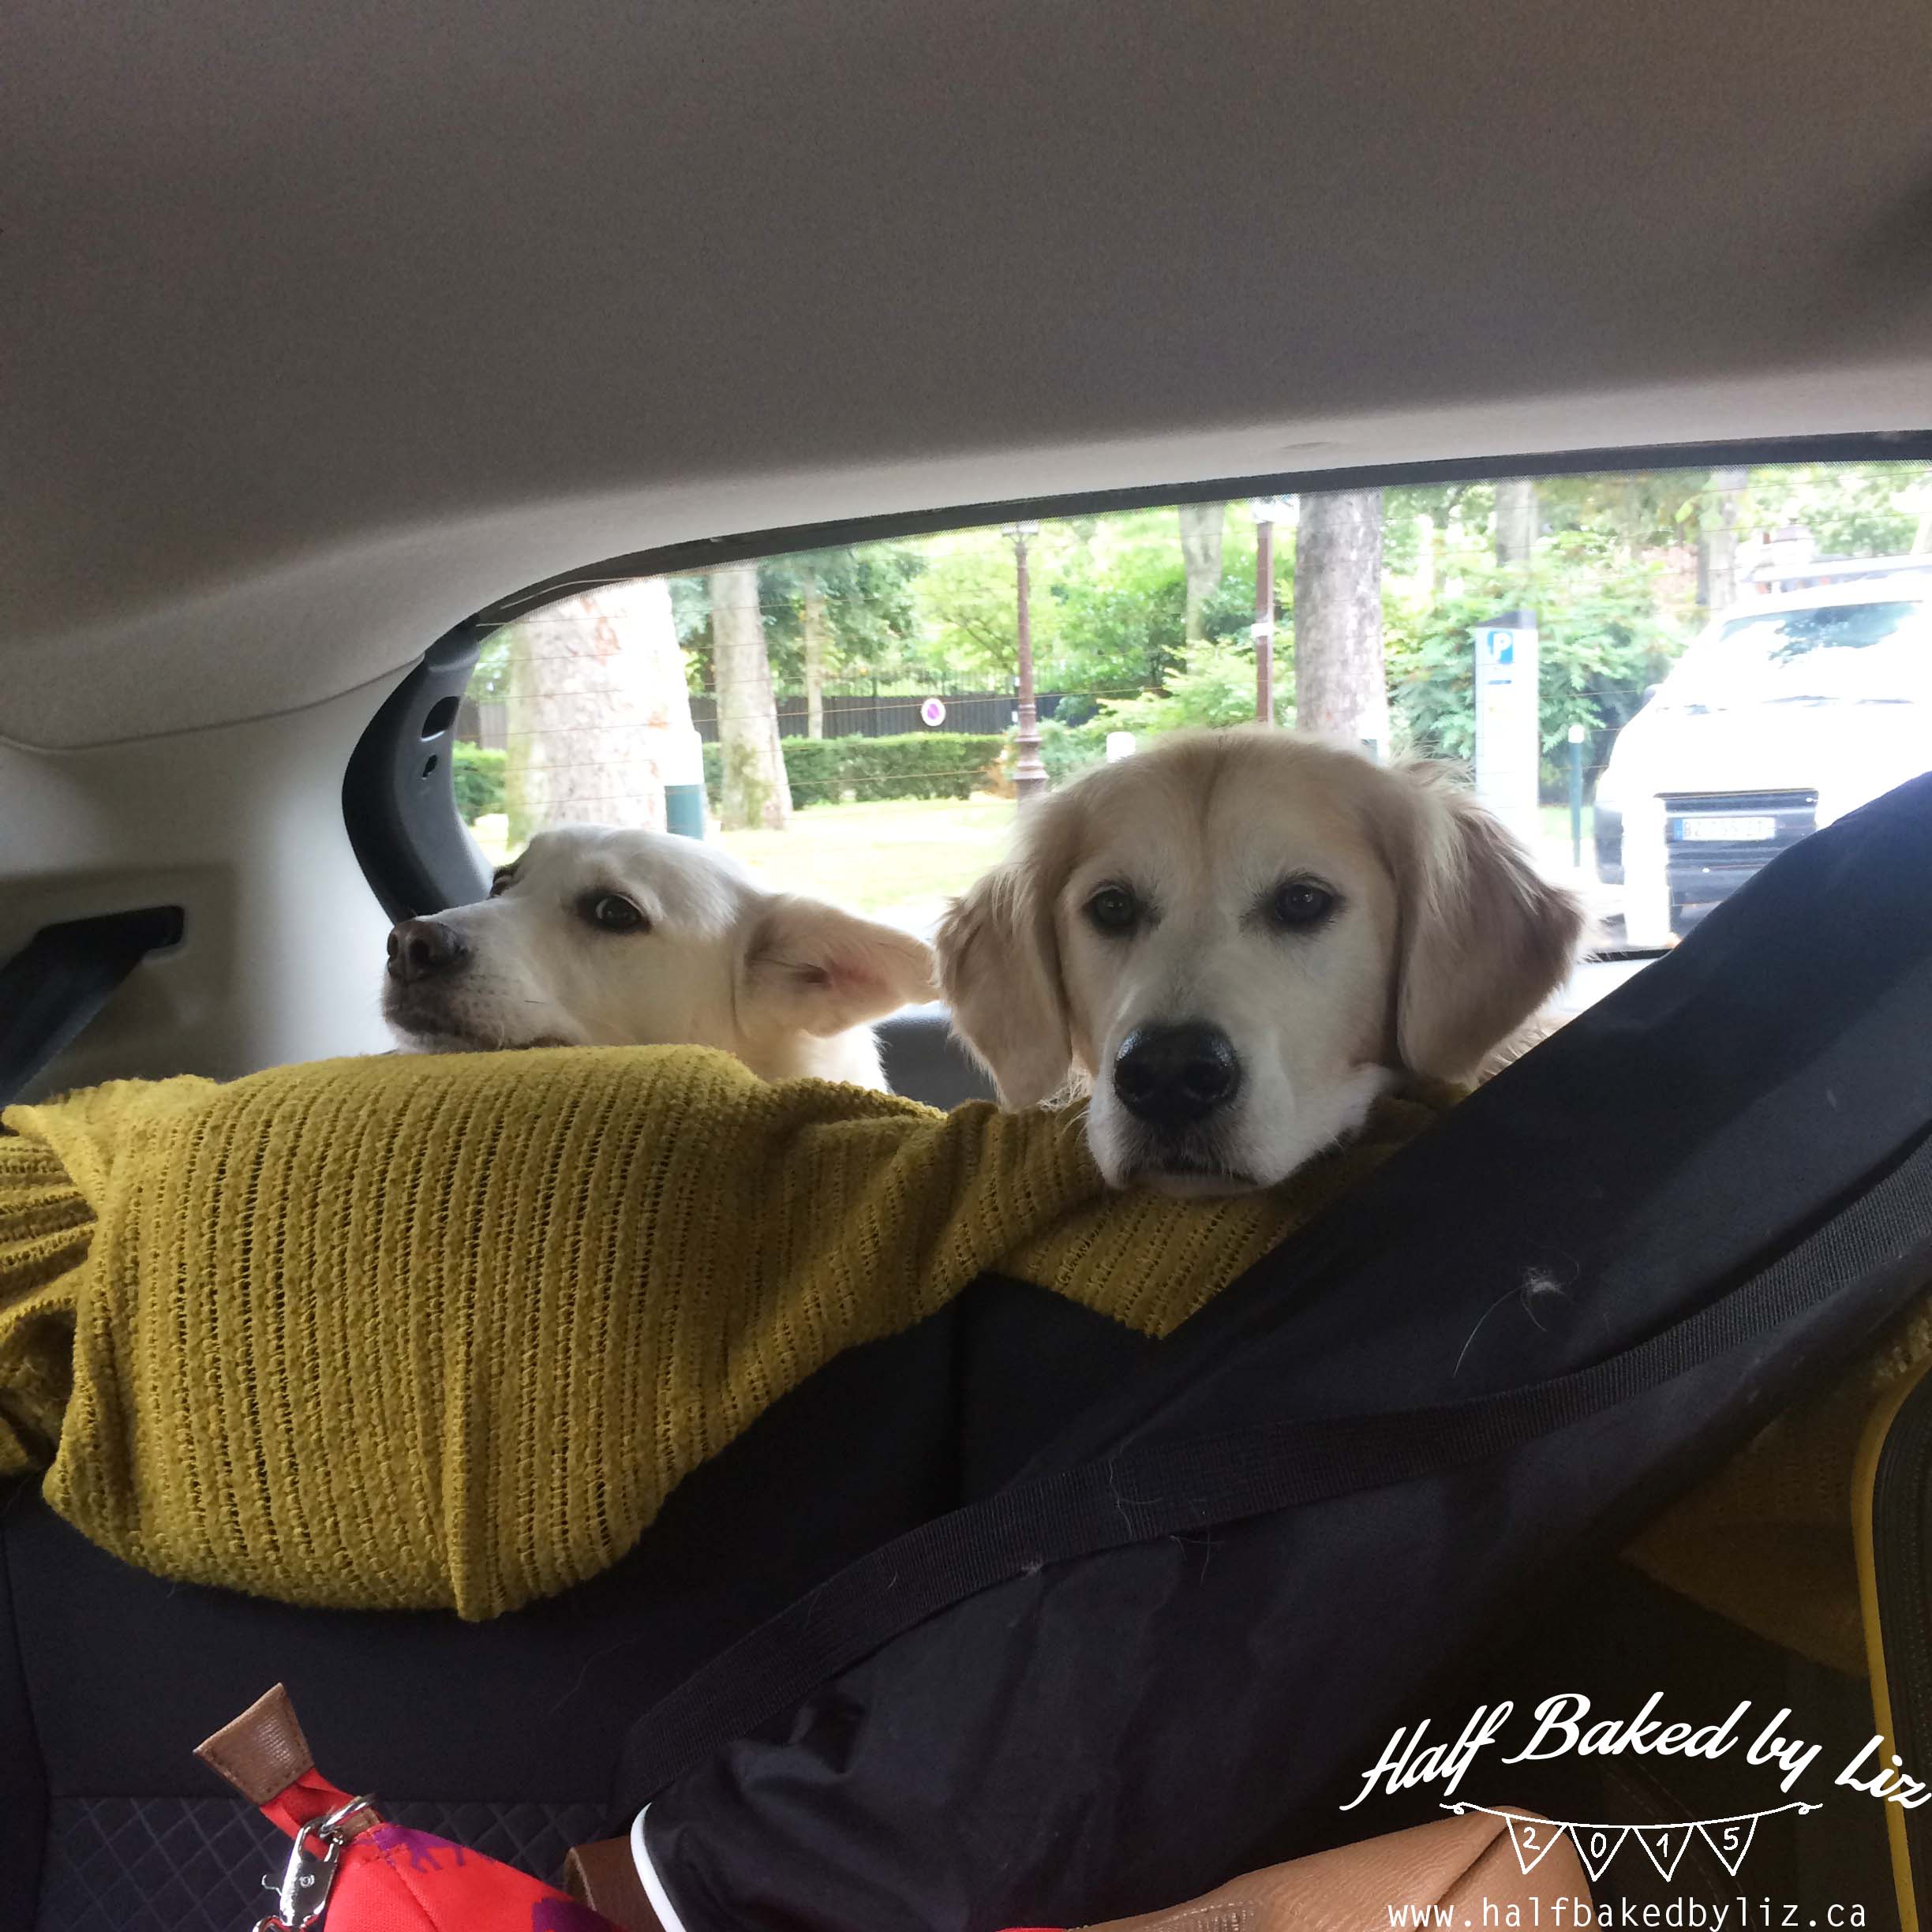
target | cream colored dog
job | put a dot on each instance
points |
(1238, 939)
(600, 936)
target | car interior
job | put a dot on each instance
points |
(342, 342)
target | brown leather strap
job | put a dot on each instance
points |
(1466, 1866)
(262, 1752)
(604, 1876)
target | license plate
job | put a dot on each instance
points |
(1725, 831)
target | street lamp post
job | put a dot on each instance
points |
(1264, 511)
(1029, 773)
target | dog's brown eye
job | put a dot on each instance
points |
(1114, 909)
(609, 913)
(1300, 904)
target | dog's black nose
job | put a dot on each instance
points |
(1172, 1076)
(419, 949)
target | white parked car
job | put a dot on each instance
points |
(1785, 713)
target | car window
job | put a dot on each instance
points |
(1613, 657)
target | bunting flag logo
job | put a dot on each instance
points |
(1532, 1837)
(1665, 1845)
(1730, 1838)
(1598, 1844)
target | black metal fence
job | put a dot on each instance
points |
(859, 711)
(850, 711)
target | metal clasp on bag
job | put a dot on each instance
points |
(302, 1897)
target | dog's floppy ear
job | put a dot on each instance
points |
(1484, 941)
(999, 970)
(812, 966)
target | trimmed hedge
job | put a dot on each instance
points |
(478, 777)
(919, 765)
(821, 771)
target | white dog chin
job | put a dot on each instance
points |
(1255, 1148)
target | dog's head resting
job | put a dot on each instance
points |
(601, 937)
(1239, 939)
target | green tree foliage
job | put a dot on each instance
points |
(1849, 510)
(1214, 685)
(871, 607)
(477, 776)
(1604, 636)
(1109, 603)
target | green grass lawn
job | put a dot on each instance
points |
(899, 859)
(1556, 826)
(898, 856)
(911, 853)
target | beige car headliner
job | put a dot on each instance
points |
(327, 325)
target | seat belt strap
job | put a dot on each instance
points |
(62, 977)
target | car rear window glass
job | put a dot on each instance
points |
(1615, 658)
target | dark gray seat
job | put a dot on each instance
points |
(924, 1061)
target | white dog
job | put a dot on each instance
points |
(599, 937)
(1239, 939)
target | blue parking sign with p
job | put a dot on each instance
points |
(1502, 646)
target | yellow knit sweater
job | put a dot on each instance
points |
(414, 1332)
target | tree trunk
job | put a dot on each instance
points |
(1201, 527)
(1509, 732)
(817, 634)
(1424, 585)
(755, 791)
(596, 685)
(1515, 545)
(1341, 684)
(1717, 543)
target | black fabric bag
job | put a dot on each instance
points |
(1229, 1579)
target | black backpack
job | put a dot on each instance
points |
(1236, 1571)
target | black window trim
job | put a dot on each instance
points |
(398, 796)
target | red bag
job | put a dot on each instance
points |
(349, 1869)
